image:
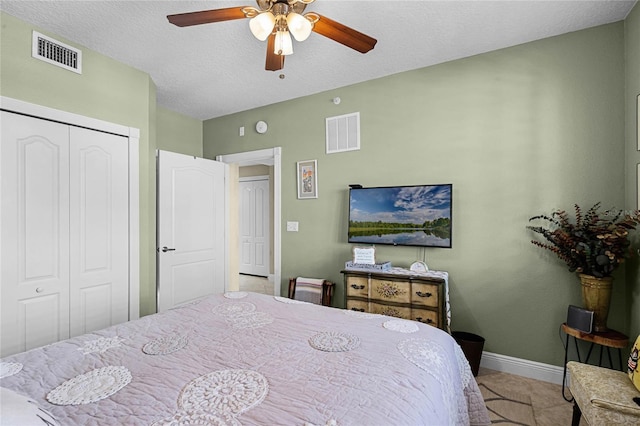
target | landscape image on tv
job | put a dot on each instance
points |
(418, 215)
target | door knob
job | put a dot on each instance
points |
(165, 249)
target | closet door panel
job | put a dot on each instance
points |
(39, 320)
(99, 230)
(35, 233)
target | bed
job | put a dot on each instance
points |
(244, 358)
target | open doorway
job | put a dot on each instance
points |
(255, 198)
(256, 284)
(266, 157)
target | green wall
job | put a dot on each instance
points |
(178, 133)
(632, 91)
(518, 132)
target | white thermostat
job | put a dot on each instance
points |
(261, 127)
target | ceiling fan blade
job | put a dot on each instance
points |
(206, 16)
(274, 62)
(344, 35)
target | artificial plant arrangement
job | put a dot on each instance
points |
(594, 244)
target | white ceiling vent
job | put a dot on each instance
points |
(56, 53)
(343, 133)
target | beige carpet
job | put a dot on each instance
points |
(511, 409)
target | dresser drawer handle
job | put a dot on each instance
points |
(357, 310)
(427, 321)
(357, 287)
(421, 294)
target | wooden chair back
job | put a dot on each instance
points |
(309, 287)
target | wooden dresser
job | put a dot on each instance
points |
(408, 296)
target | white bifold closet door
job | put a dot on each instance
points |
(64, 227)
(99, 230)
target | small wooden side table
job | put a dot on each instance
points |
(609, 339)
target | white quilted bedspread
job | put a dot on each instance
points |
(252, 359)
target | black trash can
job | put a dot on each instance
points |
(472, 346)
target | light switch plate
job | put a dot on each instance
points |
(292, 226)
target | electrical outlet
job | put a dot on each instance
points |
(292, 226)
(241, 132)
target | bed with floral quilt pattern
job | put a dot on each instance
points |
(244, 358)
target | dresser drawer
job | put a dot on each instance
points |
(424, 294)
(357, 305)
(407, 296)
(426, 316)
(390, 291)
(390, 310)
(357, 287)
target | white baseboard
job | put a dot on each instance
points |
(522, 367)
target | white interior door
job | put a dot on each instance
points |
(34, 289)
(191, 224)
(99, 216)
(254, 227)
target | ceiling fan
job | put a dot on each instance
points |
(275, 21)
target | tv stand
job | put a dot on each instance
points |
(400, 293)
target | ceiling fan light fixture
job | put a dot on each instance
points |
(299, 26)
(275, 21)
(261, 25)
(283, 45)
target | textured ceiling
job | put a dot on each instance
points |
(212, 70)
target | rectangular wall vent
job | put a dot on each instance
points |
(343, 133)
(56, 53)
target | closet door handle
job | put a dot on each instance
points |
(165, 249)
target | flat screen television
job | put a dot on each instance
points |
(417, 215)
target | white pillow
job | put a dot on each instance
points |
(19, 410)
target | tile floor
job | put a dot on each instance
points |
(256, 284)
(549, 408)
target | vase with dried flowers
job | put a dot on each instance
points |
(593, 245)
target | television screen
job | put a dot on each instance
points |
(418, 215)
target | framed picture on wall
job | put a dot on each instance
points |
(307, 179)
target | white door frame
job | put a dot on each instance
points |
(133, 134)
(270, 157)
